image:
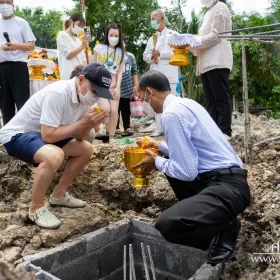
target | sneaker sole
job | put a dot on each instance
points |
(67, 206)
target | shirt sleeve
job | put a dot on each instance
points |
(52, 109)
(147, 55)
(183, 159)
(63, 44)
(218, 24)
(133, 65)
(163, 148)
(27, 33)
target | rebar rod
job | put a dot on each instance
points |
(124, 262)
(255, 40)
(251, 28)
(247, 129)
(130, 262)
(151, 262)
(268, 32)
(264, 37)
(133, 265)
(145, 262)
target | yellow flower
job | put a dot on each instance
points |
(57, 33)
(97, 43)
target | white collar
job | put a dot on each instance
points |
(168, 99)
(73, 90)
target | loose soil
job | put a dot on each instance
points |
(105, 185)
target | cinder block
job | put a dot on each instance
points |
(111, 256)
(145, 228)
(116, 275)
(86, 268)
(70, 253)
(160, 275)
(191, 259)
(97, 239)
(166, 256)
(40, 274)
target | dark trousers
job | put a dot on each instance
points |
(14, 88)
(205, 208)
(218, 103)
(124, 109)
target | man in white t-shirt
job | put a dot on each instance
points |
(53, 124)
(16, 38)
(158, 57)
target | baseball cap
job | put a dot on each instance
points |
(100, 79)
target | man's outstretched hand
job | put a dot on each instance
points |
(148, 163)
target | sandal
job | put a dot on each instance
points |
(118, 131)
(113, 141)
(44, 218)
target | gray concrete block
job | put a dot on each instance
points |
(160, 275)
(145, 228)
(40, 274)
(111, 256)
(73, 252)
(191, 260)
(86, 268)
(102, 237)
(166, 256)
(116, 275)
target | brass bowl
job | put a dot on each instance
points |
(131, 157)
(180, 57)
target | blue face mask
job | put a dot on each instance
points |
(155, 24)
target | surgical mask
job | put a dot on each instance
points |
(6, 10)
(113, 41)
(88, 99)
(148, 108)
(207, 3)
(155, 24)
(76, 29)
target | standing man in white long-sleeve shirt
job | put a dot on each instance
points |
(161, 54)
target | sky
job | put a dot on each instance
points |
(238, 5)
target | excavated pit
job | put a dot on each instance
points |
(99, 255)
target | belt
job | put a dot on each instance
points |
(234, 170)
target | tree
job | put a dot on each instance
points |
(133, 15)
(44, 25)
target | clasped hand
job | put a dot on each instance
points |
(149, 162)
(92, 119)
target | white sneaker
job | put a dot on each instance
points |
(44, 218)
(156, 134)
(67, 201)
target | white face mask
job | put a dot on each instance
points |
(88, 99)
(113, 41)
(207, 3)
(6, 10)
(148, 108)
(76, 29)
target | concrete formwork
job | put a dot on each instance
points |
(99, 256)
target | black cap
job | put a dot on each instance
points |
(100, 79)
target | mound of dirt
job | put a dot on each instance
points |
(105, 185)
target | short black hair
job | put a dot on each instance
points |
(155, 80)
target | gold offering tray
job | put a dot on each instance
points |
(180, 57)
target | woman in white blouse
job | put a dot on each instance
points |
(70, 47)
(214, 63)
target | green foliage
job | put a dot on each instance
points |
(43, 24)
(134, 16)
